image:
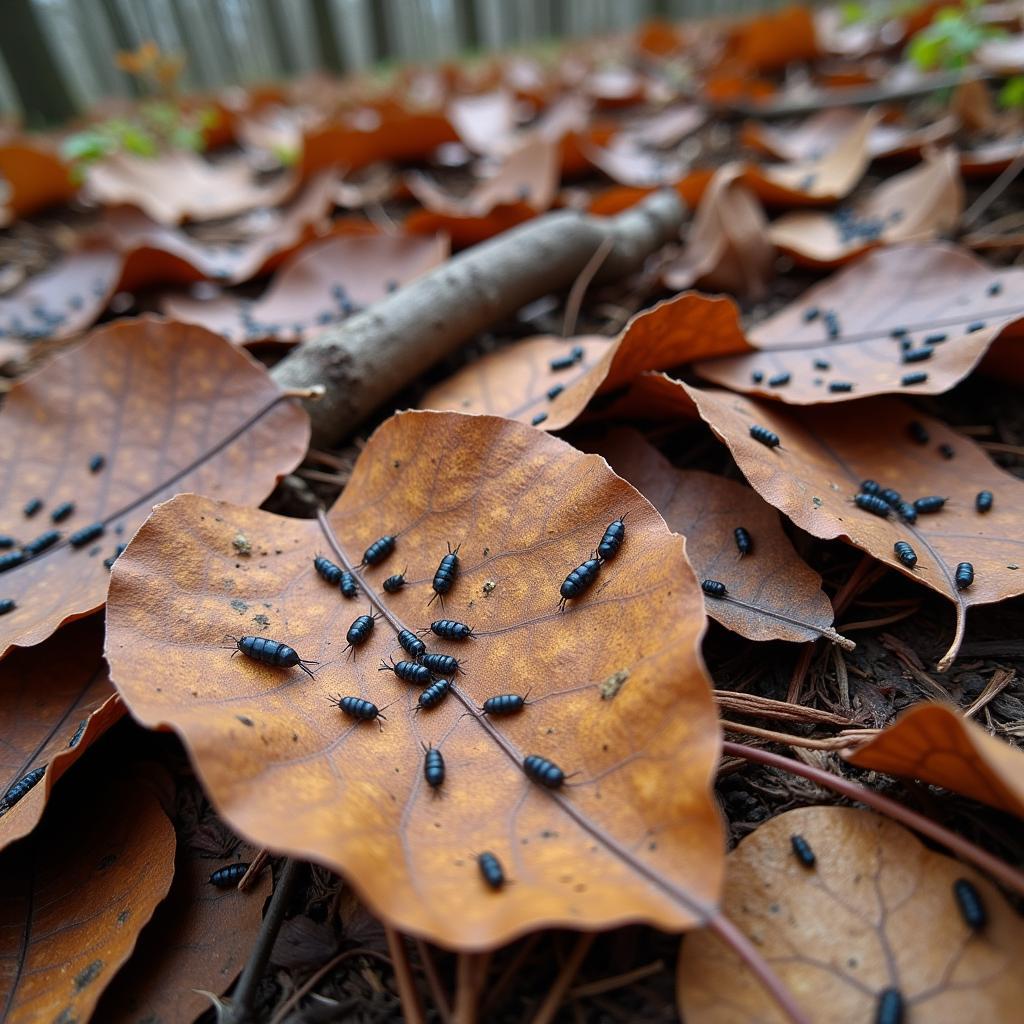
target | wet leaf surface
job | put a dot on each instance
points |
(934, 297)
(937, 745)
(773, 594)
(168, 408)
(322, 285)
(632, 836)
(56, 702)
(826, 452)
(71, 912)
(876, 911)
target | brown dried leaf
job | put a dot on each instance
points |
(485, 122)
(170, 408)
(35, 175)
(74, 898)
(305, 296)
(773, 594)
(688, 327)
(55, 701)
(932, 290)
(771, 41)
(826, 452)
(916, 205)
(876, 911)
(634, 836)
(937, 745)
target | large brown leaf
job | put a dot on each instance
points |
(826, 452)
(773, 594)
(35, 175)
(876, 911)
(170, 408)
(933, 290)
(514, 381)
(55, 701)
(938, 745)
(304, 296)
(617, 690)
(74, 898)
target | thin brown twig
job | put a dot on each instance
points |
(412, 1008)
(511, 970)
(1001, 679)
(321, 477)
(796, 683)
(765, 707)
(848, 627)
(437, 992)
(300, 993)
(831, 743)
(1004, 449)
(259, 862)
(556, 994)
(993, 192)
(1005, 873)
(579, 287)
(597, 988)
(470, 972)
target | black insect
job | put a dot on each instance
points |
(347, 584)
(811, 313)
(579, 580)
(271, 652)
(905, 553)
(872, 503)
(840, 386)
(86, 534)
(542, 771)
(433, 695)
(935, 339)
(356, 707)
(62, 511)
(889, 1008)
(444, 577)
(73, 742)
(757, 376)
(910, 379)
(562, 362)
(442, 664)
(893, 497)
(327, 570)
(778, 379)
(918, 355)
(907, 512)
(803, 850)
(744, 544)
(6, 541)
(713, 588)
(118, 552)
(449, 629)
(977, 325)
(964, 575)
(491, 870)
(995, 288)
(360, 630)
(898, 332)
(983, 501)
(822, 364)
(408, 671)
(32, 506)
(433, 767)
(917, 432)
(7, 604)
(229, 875)
(11, 559)
(538, 419)
(832, 324)
(767, 437)
(577, 352)
(946, 451)
(41, 543)
(870, 487)
(554, 391)
(929, 504)
(378, 550)
(411, 643)
(504, 704)
(97, 462)
(968, 901)
(21, 787)
(612, 540)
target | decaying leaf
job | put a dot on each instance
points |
(825, 453)
(197, 943)
(876, 911)
(916, 205)
(632, 836)
(486, 121)
(931, 300)
(161, 408)
(727, 248)
(773, 594)
(771, 41)
(937, 745)
(674, 332)
(55, 701)
(74, 897)
(35, 175)
(323, 284)
(63, 300)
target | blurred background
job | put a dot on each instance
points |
(58, 57)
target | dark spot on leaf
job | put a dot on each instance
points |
(239, 605)
(105, 863)
(245, 720)
(88, 974)
(611, 686)
(261, 620)
(123, 916)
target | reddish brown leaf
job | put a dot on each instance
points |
(304, 297)
(876, 911)
(74, 898)
(771, 41)
(825, 453)
(772, 593)
(55, 701)
(916, 205)
(633, 836)
(35, 175)
(169, 408)
(932, 290)
(937, 745)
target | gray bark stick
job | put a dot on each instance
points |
(376, 353)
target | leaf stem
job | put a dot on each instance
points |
(556, 994)
(982, 859)
(412, 1010)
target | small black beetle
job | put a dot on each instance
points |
(765, 436)
(408, 671)
(411, 643)
(579, 580)
(541, 770)
(395, 583)
(713, 588)
(442, 664)
(970, 905)
(356, 707)
(433, 767)
(803, 850)
(433, 695)
(929, 504)
(271, 652)
(905, 553)
(378, 550)
(743, 542)
(86, 534)
(491, 870)
(964, 575)
(612, 540)
(983, 501)
(21, 787)
(449, 629)
(229, 875)
(327, 570)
